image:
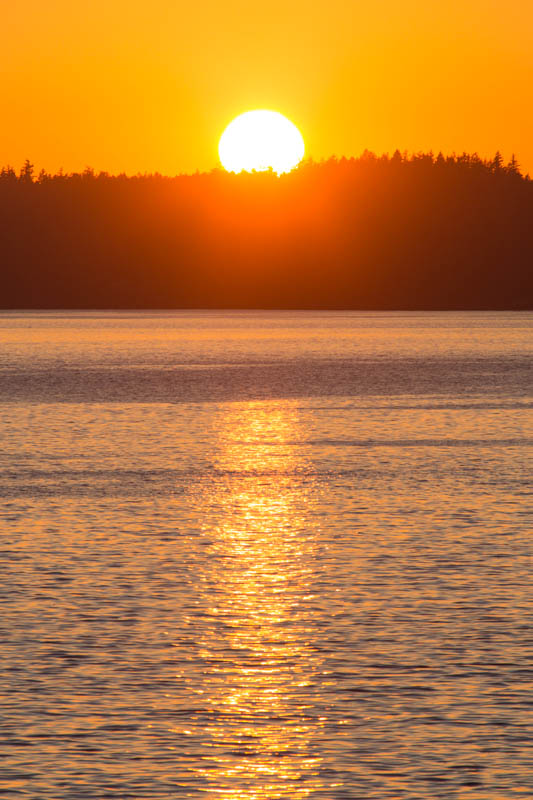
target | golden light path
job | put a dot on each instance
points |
(258, 687)
(261, 140)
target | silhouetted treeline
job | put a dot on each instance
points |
(400, 232)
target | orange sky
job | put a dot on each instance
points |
(125, 85)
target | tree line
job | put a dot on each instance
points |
(374, 232)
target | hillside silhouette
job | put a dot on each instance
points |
(399, 232)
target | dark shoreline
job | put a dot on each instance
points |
(411, 233)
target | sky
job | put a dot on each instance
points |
(131, 86)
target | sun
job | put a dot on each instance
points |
(261, 140)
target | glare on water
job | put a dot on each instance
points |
(258, 575)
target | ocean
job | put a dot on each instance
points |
(262, 555)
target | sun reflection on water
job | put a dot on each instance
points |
(258, 683)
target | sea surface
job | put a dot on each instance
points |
(251, 556)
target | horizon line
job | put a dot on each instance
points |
(406, 156)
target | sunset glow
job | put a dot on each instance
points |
(128, 87)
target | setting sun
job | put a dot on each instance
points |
(261, 140)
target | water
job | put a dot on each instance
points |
(266, 555)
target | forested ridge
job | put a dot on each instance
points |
(375, 232)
